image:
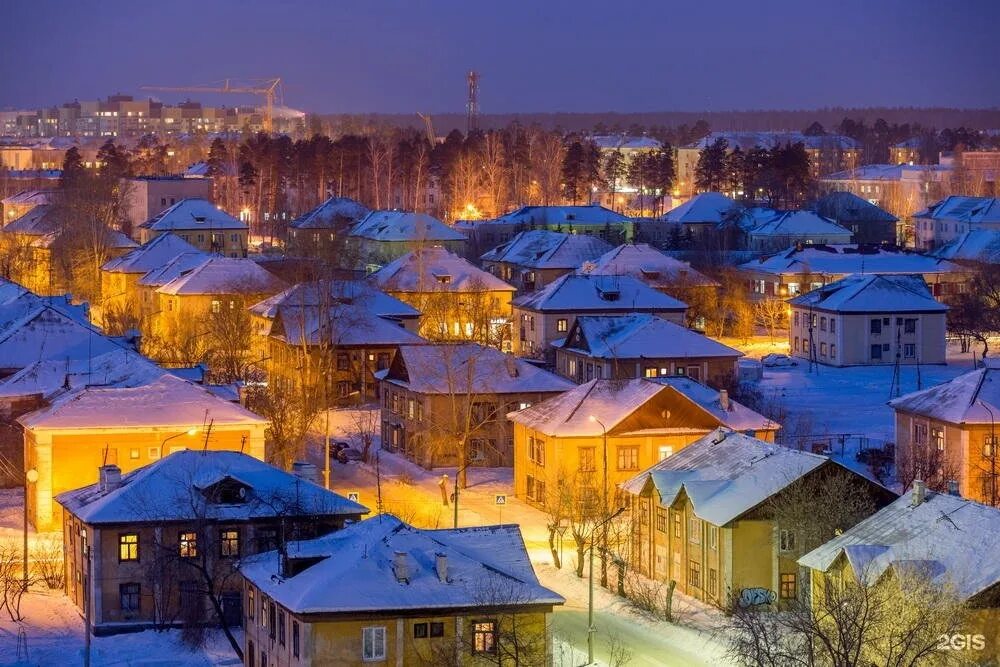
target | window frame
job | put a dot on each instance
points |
(379, 641)
(131, 546)
(787, 586)
(226, 543)
(137, 595)
(488, 635)
(187, 547)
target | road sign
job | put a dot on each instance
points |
(501, 499)
(353, 496)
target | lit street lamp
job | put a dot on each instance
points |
(190, 431)
(591, 628)
(30, 477)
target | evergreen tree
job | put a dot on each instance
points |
(814, 130)
(72, 168)
(218, 157)
(710, 171)
(574, 172)
(662, 171)
(614, 171)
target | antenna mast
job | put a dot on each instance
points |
(472, 106)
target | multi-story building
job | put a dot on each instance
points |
(438, 398)
(869, 320)
(900, 189)
(16, 205)
(149, 196)
(726, 545)
(770, 230)
(703, 213)
(533, 259)
(383, 236)
(201, 224)
(547, 315)
(144, 549)
(951, 217)
(621, 426)
(319, 232)
(624, 195)
(383, 592)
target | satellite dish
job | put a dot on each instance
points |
(242, 493)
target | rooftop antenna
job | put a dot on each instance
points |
(472, 105)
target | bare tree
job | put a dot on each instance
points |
(771, 314)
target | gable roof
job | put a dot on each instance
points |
(955, 540)
(192, 213)
(625, 142)
(844, 206)
(746, 140)
(542, 249)
(640, 336)
(975, 245)
(646, 263)
(843, 258)
(39, 221)
(165, 490)
(116, 367)
(224, 275)
(732, 414)
(330, 214)
(404, 226)
(871, 293)
(588, 214)
(435, 269)
(726, 473)
(356, 573)
(771, 222)
(581, 293)
(706, 207)
(150, 256)
(958, 401)
(960, 208)
(35, 197)
(38, 332)
(167, 401)
(340, 292)
(344, 324)
(174, 268)
(448, 368)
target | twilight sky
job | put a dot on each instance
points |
(534, 55)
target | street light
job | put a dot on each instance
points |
(591, 629)
(459, 471)
(604, 504)
(190, 431)
(30, 477)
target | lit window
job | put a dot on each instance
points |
(562, 324)
(229, 543)
(664, 451)
(628, 458)
(216, 306)
(133, 453)
(484, 637)
(128, 546)
(188, 545)
(788, 588)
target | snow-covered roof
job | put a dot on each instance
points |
(748, 140)
(726, 474)
(972, 210)
(197, 170)
(844, 258)
(435, 269)
(646, 263)
(542, 249)
(193, 214)
(625, 142)
(150, 256)
(889, 172)
(487, 566)
(33, 331)
(330, 214)
(590, 214)
(770, 222)
(174, 268)
(448, 368)
(976, 245)
(844, 206)
(344, 324)
(340, 292)
(953, 539)
(167, 401)
(872, 293)
(707, 207)
(39, 221)
(224, 275)
(404, 226)
(113, 240)
(589, 293)
(173, 489)
(118, 367)
(958, 401)
(732, 414)
(33, 197)
(640, 336)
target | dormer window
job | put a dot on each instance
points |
(650, 273)
(443, 278)
(227, 491)
(609, 295)
(199, 218)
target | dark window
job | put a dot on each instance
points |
(229, 543)
(419, 630)
(272, 618)
(876, 351)
(295, 638)
(661, 519)
(694, 574)
(484, 637)
(128, 597)
(281, 627)
(910, 325)
(437, 629)
(343, 362)
(267, 539)
(876, 326)
(128, 546)
(251, 656)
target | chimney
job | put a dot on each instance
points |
(401, 567)
(953, 487)
(441, 565)
(724, 399)
(306, 471)
(110, 477)
(511, 366)
(919, 492)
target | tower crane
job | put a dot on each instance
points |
(269, 88)
(428, 128)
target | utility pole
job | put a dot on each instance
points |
(472, 106)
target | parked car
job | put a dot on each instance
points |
(777, 361)
(349, 455)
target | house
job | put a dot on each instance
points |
(383, 236)
(869, 320)
(457, 301)
(129, 426)
(950, 540)
(19, 203)
(900, 189)
(868, 223)
(148, 196)
(770, 230)
(546, 315)
(34, 248)
(946, 220)
(701, 517)
(630, 424)
(947, 433)
(149, 533)
(382, 591)
(641, 345)
(120, 276)
(975, 247)
(339, 345)
(434, 397)
(201, 223)
(803, 268)
(533, 259)
(150, 282)
(703, 213)
(219, 287)
(317, 232)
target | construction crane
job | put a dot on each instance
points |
(429, 128)
(269, 88)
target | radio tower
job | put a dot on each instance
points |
(472, 106)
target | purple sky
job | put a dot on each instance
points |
(534, 55)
